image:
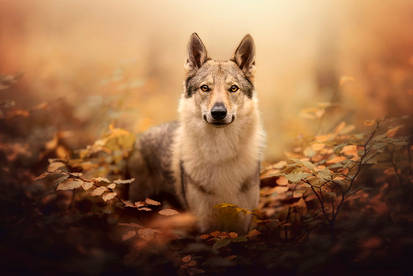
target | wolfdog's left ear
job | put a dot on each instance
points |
(244, 56)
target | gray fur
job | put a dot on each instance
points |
(150, 162)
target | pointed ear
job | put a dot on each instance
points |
(244, 56)
(197, 53)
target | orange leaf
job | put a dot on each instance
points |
(152, 202)
(282, 181)
(336, 159)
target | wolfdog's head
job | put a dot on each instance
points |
(217, 93)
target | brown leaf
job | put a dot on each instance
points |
(108, 196)
(112, 186)
(139, 204)
(168, 212)
(204, 236)
(145, 209)
(152, 202)
(101, 179)
(54, 166)
(233, 235)
(99, 191)
(87, 185)
(128, 203)
(125, 181)
(69, 184)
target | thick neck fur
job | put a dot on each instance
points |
(231, 152)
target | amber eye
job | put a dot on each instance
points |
(233, 88)
(205, 88)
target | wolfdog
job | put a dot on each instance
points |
(212, 154)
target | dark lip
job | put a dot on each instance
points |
(218, 123)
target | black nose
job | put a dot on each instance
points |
(218, 111)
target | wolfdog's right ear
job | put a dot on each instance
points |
(197, 53)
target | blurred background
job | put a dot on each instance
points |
(88, 64)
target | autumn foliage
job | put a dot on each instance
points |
(339, 200)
